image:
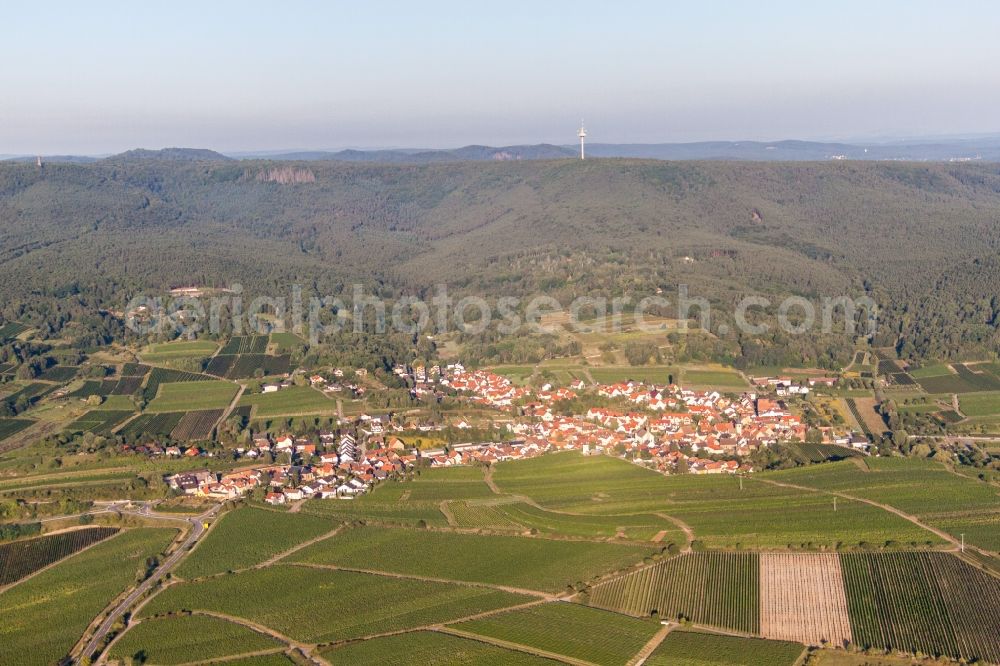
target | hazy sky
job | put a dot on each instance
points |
(102, 76)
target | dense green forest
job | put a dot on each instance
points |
(77, 241)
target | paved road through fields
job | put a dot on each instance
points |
(197, 529)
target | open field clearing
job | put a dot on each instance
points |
(196, 425)
(929, 602)
(320, 606)
(21, 558)
(99, 422)
(9, 427)
(65, 598)
(185, 638)
(372, 508)
(291, 401)
(802, 599)
(185, 396)
(249, 536)
(245, 344)
(924, 488)
(693, 648)
(594, 635)
(166, 352)
(429, 648)
(530, 563)
(718, 589)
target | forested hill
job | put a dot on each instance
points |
(923, 238)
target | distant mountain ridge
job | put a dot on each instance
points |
(170, 155)
(985, 149)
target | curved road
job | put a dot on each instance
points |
(197, 530)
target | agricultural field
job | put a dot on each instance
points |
(93, 387)
(31, 392)
(184, 396)
(244, 366)
(584, 484)
(166, 376)
(518, 374)
(596, 636)
(483, 515)
(822, 452)
(524, 562)
(638, 527)
(99, 421)
(650, 374)
(933, 370)
(121, 403)
(717, 589)
(961, 378)
(9, 427)
(695, 648)
(378, 508)
(11, 330)
(248, 536)
(59, 373)
(291, 401)
(167, 352)
(196, 425)
(321, 605)
(186, 638)
(797, 519)
(135, 369)
(933, 603)
(720, 513)
(275, 659)
(980, 404)
(65, 598)
(444, 483)
(951, 502)
(286, 341)
(720, 380)
(802, 599)
(428, 648)
(21, 558)
(152, 425)
(245, 344)
(863, 409)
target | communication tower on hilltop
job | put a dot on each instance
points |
(583, 135)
